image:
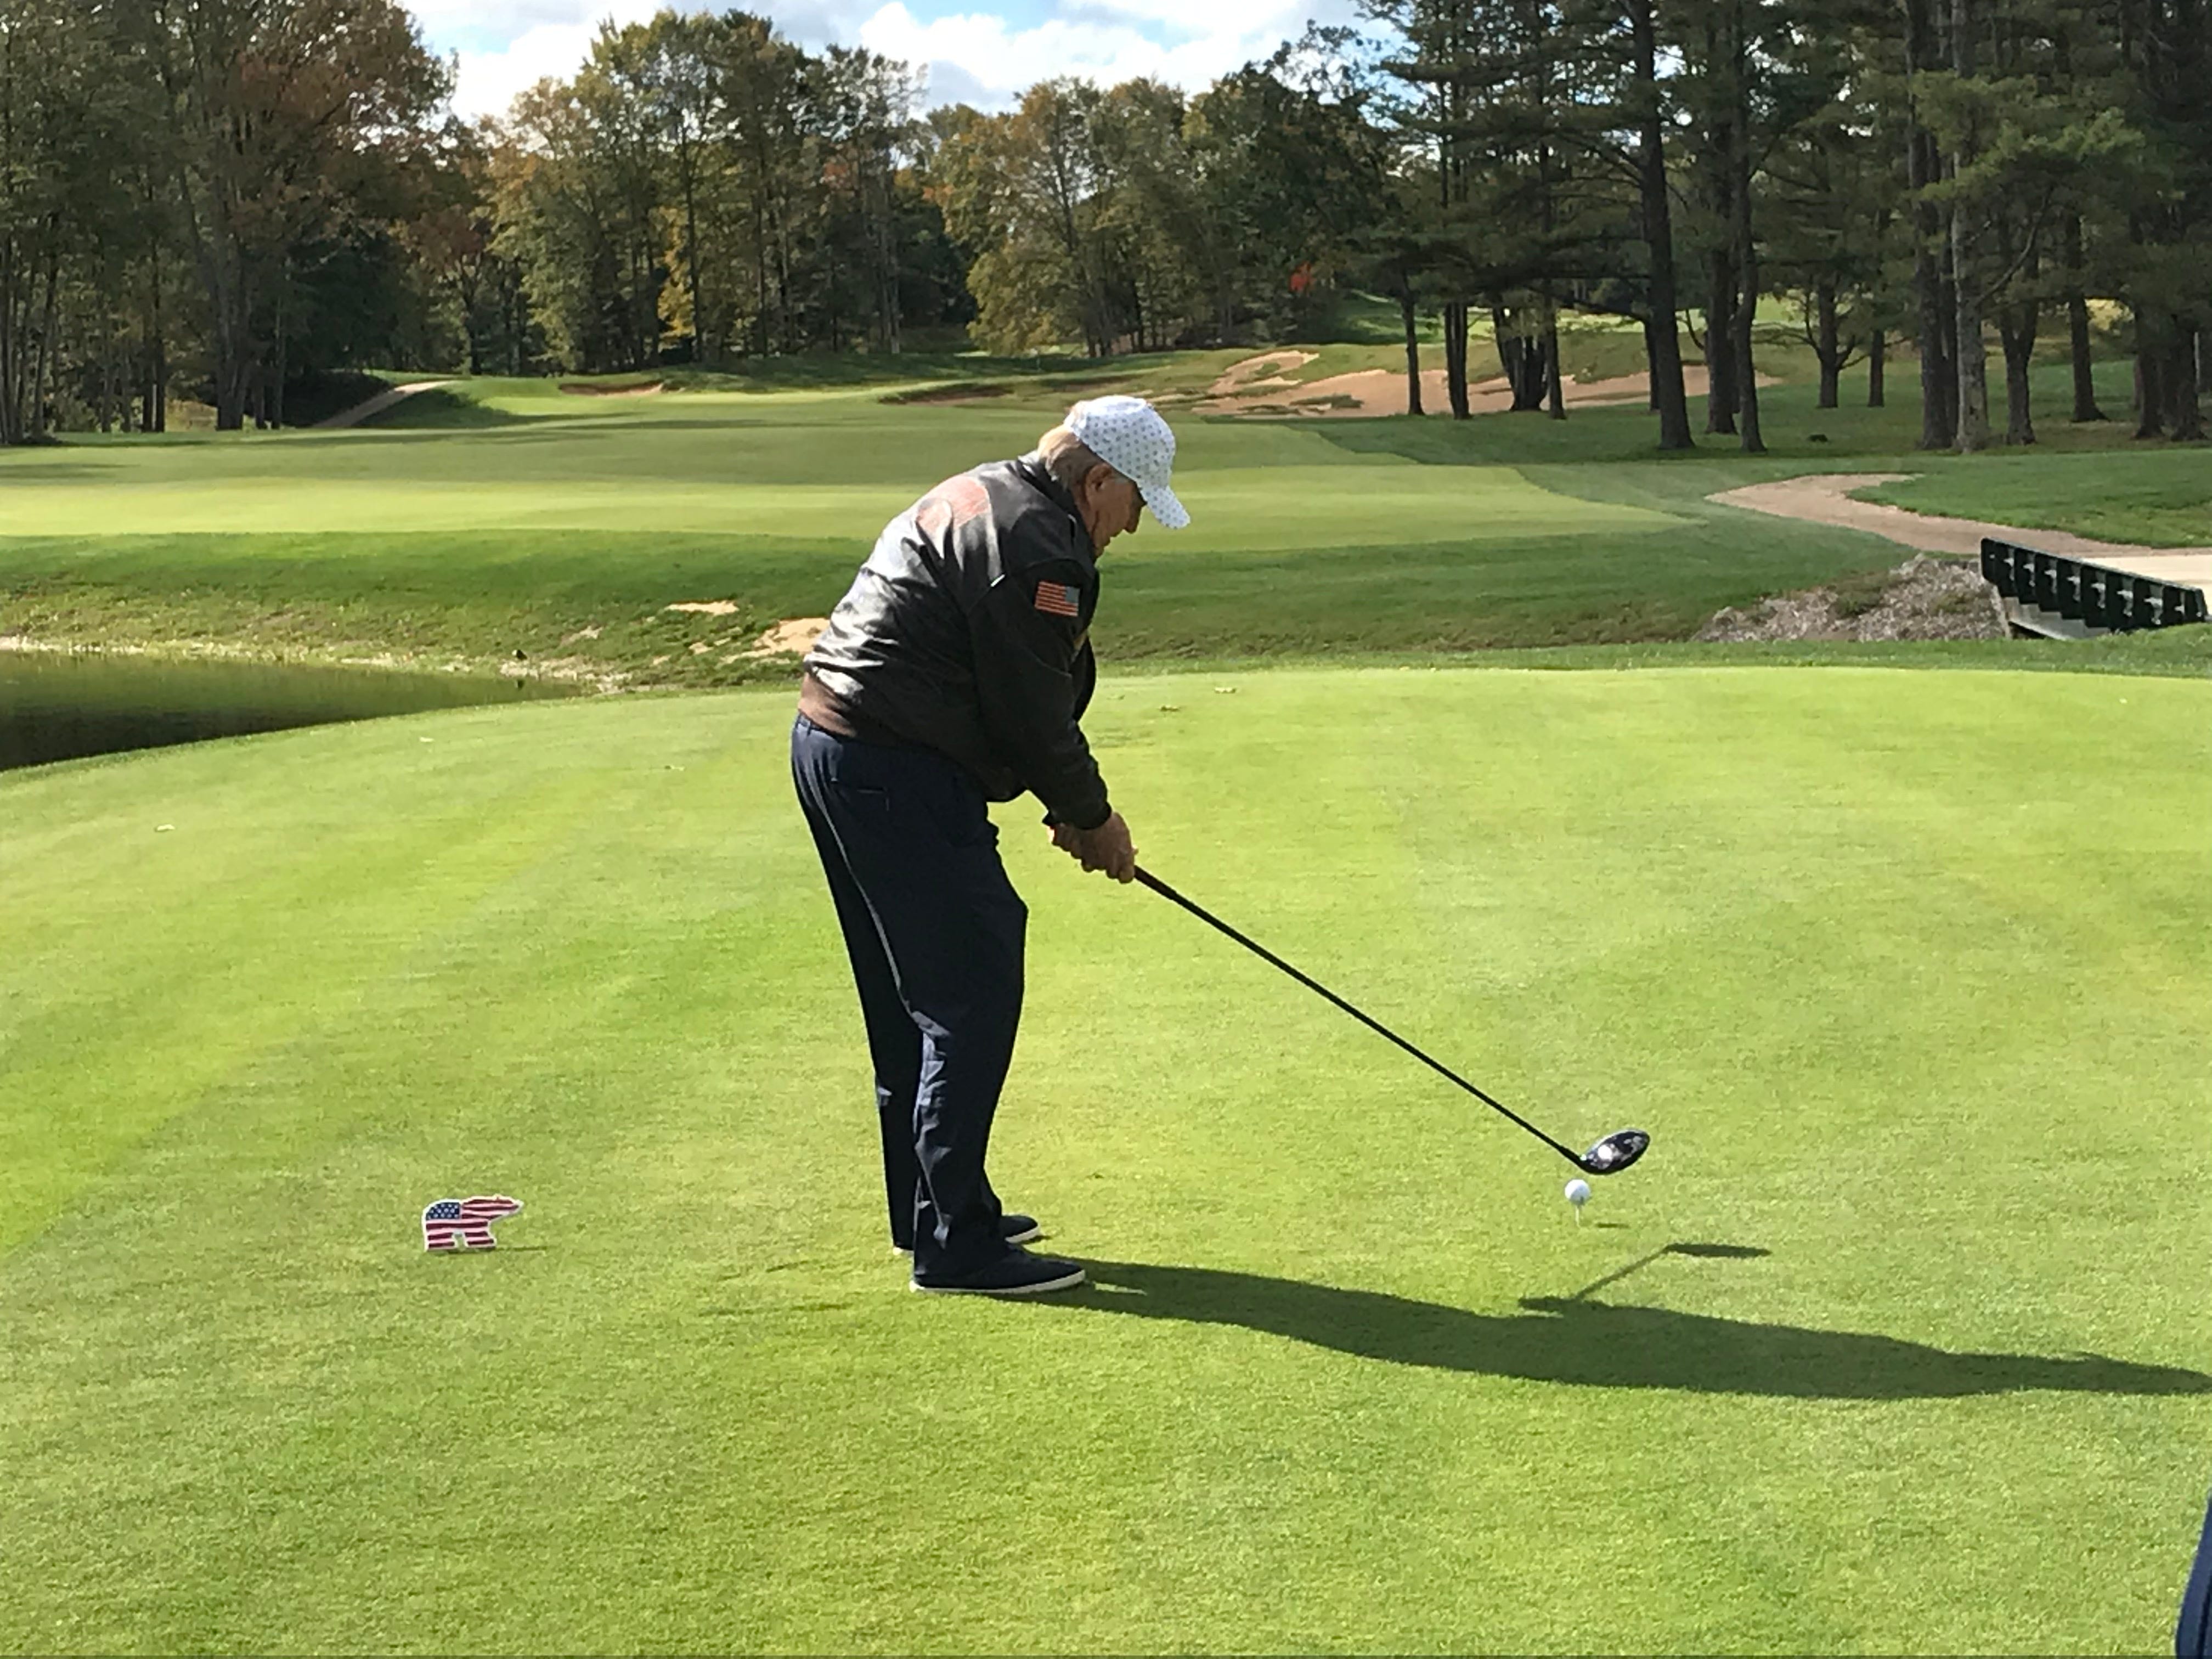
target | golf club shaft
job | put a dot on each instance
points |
(1367, 1020)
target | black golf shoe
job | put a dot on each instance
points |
(1014, 1228)
(1015, 1273)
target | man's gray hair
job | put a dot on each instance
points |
(1067, 458)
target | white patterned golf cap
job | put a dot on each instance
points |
(1130, 436)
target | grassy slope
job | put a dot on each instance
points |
(2094, 480)
(2159, 496)
(523, 518)
(474, 543)
(1906, 1003)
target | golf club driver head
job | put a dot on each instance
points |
(1615, 1152)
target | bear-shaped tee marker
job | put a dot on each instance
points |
(465, 1223)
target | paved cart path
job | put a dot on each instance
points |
(1825, 498)
(376, 405)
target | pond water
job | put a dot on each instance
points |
(60, 706)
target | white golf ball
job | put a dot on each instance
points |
(1578, 1193)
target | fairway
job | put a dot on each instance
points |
(808, 465)
(562, 527)
(1235, 508)
(518, 517)
(1905, 972)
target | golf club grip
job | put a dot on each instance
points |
(1373, 1025)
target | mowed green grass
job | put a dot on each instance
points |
(1252, 505)
(2160, 496)
(1907, 975)
(520, 517)
(565, 527)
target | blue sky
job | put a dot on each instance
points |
(978, 52)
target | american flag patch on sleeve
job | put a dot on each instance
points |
(1059, 600)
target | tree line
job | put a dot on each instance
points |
(1930, 171)
(214, 183)
(249, 193)
(231, 198)
(705, 191)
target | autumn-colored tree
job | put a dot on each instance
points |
(283, 120)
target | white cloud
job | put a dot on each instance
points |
(977, 56)
(487, 81)
(543, 37)
(501, 20)
(1240, 18)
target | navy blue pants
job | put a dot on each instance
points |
(2192, 1636)
(935, 931)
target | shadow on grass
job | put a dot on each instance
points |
(1707, 1252)
(439, 410)
(1598, 1345)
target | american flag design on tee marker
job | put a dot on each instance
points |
(1059, 600)
(465, 1223)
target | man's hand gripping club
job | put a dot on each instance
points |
(1106, 849)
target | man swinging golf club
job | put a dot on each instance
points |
(955, 672)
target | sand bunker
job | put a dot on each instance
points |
(1375, 392)
(793, 636)
(1246, 377)
(796, 636)
(580, 389)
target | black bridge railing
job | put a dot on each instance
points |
(2091, 595)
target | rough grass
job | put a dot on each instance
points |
(2156, 496)
(1913, 1011)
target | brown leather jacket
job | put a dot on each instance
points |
(968, 632)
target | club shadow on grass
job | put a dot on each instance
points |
(1708, 1252)
(1602, 1345)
